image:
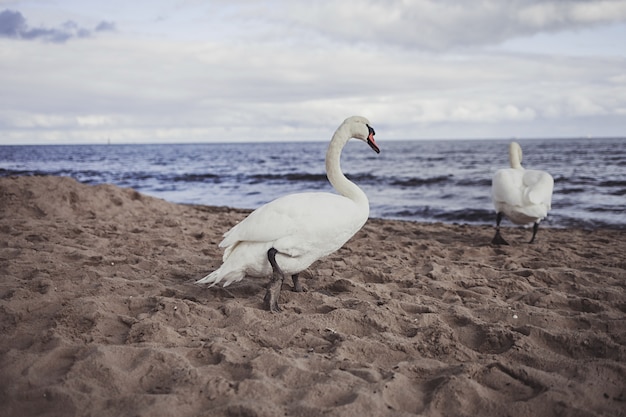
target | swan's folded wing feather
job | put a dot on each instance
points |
(539, 186)
(304, 213)
(263, 224)
(506, 186)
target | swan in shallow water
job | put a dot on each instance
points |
(522, 195)
(287, 235)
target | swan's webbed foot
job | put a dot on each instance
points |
(297, 286)
(270, 301)
(535, 228)
(498, 239)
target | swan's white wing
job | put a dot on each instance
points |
(313, 217)
(538, 187)
(522, 195)
(507, 186)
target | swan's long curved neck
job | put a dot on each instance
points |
(515, 156)
(336, 177)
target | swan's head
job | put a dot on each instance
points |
(360, 129)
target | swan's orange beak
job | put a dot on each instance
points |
(371, 141)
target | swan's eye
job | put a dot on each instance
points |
(371, 129)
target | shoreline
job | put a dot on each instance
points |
(100, 316)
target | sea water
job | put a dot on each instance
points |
(428, 181)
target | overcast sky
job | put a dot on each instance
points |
(75, 71)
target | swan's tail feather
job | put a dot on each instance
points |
(219, 275)
(213, 278)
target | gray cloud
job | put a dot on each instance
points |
(440, 25)
(105, 26)
(13, 25)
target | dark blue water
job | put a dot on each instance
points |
(429, 181)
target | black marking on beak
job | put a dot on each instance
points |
(371, 141)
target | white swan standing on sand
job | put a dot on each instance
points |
(522, 195)
(287, 235)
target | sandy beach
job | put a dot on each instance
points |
(100, 316)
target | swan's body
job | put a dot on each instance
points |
(522, 195)
(287, 235)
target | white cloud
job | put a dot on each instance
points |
(259, 71)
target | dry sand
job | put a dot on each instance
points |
(100, 317)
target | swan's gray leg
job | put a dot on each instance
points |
(297, 287)
(535, 228)
(498, 239)
(273, 288)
